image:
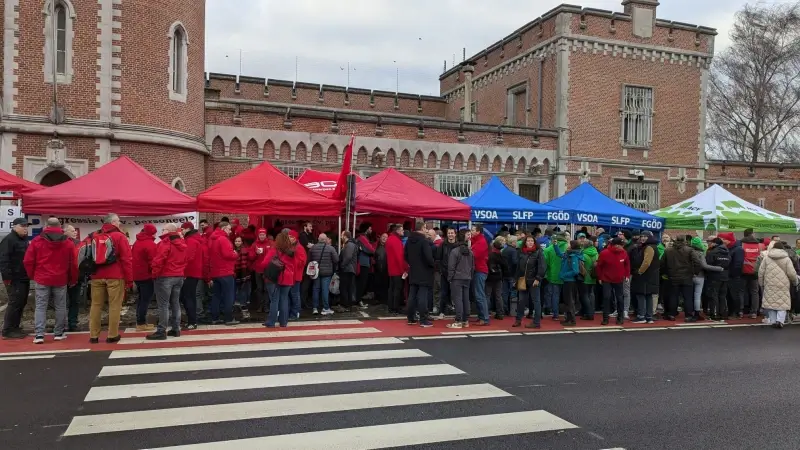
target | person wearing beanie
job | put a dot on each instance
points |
(553, 255)
(195, 273)
(645, 281)
(612, 268)
(258, 253)
(142, 254)
(586, 290)
(719, 256)
(573, 272)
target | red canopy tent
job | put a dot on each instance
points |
(265, 190)
(121, 186)
(17, 185)
(321, 182)
(392, 193)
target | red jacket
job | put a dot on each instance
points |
(122, 269)
(52, 259)
(300, 258)
(287, 276)
(613, 265)
(480, 249)
(395, 259)
(243, 262)
(196, 256)
(144, 249)
(170, 259)
(221, 256)
(260, 260)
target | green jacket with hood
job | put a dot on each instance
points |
(590, 255)
(553, 261)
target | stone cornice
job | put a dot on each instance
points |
(103, 130)
(315, 112)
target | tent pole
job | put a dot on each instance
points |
(339, 237)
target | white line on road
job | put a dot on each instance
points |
(14, 358)
(596, 330)
(44, 352)
(266, 346)
(400, 434)
(258, 335)
(172, 417)
(494, 335)
(266, 381)
(545, 333)
(646, 329)
(245, 326)
(271, 361)
(474, 332)
(430, 338)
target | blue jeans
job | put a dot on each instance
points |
(552, 297)
(479, 291)
(530, 298)
(418, 302)
(243, 289)
(294, 295)
(509, 292)
(278, 304)
(223, 293)
(645, 305)
(322, 286)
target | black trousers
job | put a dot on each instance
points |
(717, 298)
(380, 282)
(361, 283)
(261, 298)
(17, 299)
(612, 299)
(189, 299)
(395, 300)
(735, 296)
(347, 289)
(570, 296)
(687, 292)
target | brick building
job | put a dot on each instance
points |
(578, 94)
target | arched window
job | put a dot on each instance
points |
(177, 183)
(178, 61)
(60, 16)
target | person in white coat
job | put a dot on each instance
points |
(777, 276)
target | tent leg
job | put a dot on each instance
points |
(339, 237)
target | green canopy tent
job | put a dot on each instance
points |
(716, 209)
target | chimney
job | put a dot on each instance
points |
(468, 68)
(643, 15)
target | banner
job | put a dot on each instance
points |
(7, 215)
(131, 226)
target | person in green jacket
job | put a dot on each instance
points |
(586, 289)
(552, 260)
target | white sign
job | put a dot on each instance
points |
(7, 215)
(131, 226)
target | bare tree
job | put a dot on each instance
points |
(754, 88)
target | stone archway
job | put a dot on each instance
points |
(54, 177)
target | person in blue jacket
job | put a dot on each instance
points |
(572, 272)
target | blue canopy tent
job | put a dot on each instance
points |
(497, 203)
(588, 206)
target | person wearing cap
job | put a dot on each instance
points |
(195, 272)
(142, 254)
(15, 278)
(300, 258)
(52, 262)
(553, 256)
(719, 256)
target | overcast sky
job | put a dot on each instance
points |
(378, 37)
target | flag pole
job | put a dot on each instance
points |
(348, 198)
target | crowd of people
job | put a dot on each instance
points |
(426, 273)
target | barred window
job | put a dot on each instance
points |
(457, 186)
(637, 116)
(640, 195)
(292, 172)
(530, 191)
(790, 206)
(761, 203)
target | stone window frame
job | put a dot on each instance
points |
(511, 102)
(49, 59)
(178, 184)
(650, 204)
(647, 116)
(456, 183)
(179, 95)
(790, 206)
(761, 202)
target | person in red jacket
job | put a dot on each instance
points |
(110, 279)
(236, 229)
(366, 250)
(613, 267)
(52, 262)
(241, 275)
(196, 273)
(169, 267)
(397, 268)
(221, 261)
(480, 249)
(258, 253)
(144, 249)
(279, 288)
(300, 258)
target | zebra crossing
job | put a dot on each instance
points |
(355, 394)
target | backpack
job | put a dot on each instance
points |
(581, 270)
(566, 268)
(96, 250)
(274, 269)
(752, 250)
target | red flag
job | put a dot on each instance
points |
(347, 162)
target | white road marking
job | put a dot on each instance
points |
(259, 335)
(147, 419)
(14, 358)
(646, 329)
(45, 352)
(493, 335)
(271, 361)
(475, 332)
(596, 330)
(545, 333)
(400, 434)
(428, 338)
(266, 381)
(266, 346)
(245, 326)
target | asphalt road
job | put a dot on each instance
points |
(691, 389)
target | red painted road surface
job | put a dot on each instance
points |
(334, 329)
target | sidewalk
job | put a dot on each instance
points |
(338, 329)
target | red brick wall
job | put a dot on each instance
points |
(145, 62)
(168, 163)
(597, 26)
(35, 145)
